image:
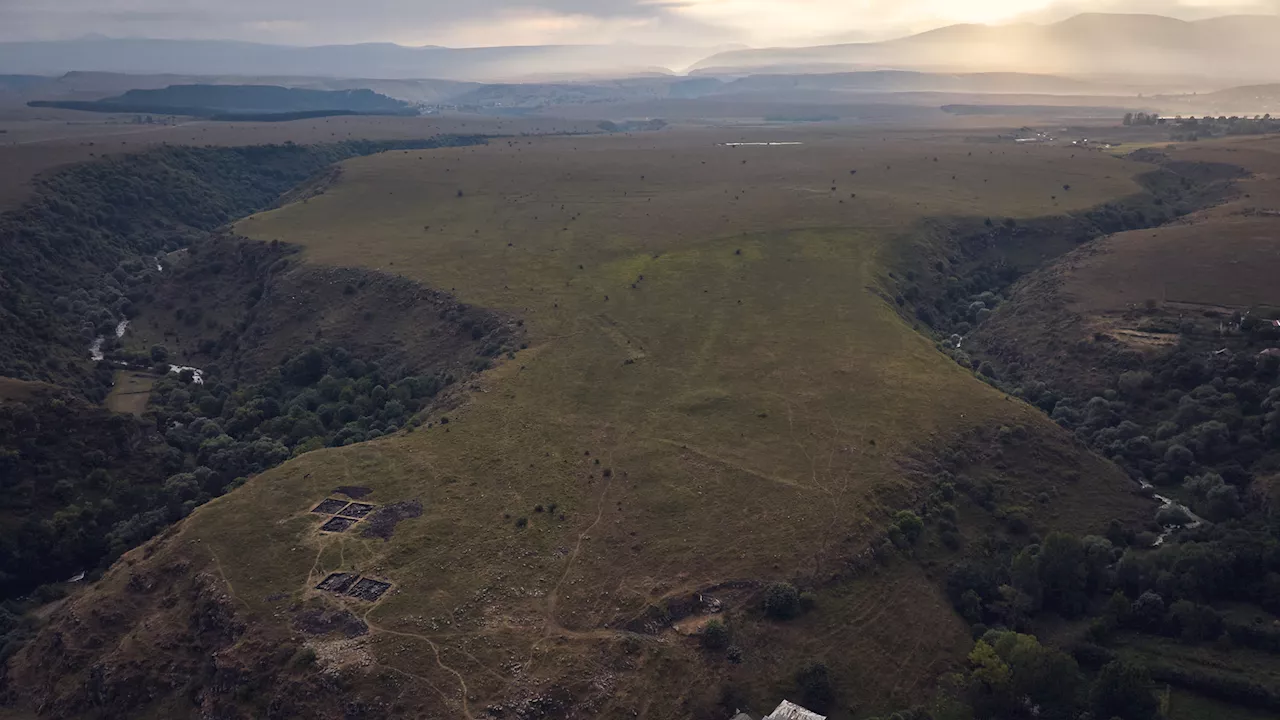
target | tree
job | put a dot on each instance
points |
(1123, 690)
(1148, 610)
(1195, 622)
(159, 354)
(990, 682)
(1049, 678)
(814, 684)
(910, 524)
(1063, 573)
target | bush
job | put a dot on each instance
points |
(782, 601)
(303, 659)
(715, 635)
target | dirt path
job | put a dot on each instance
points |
(226, 580)
(435, 649)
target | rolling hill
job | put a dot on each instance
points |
(239, 101)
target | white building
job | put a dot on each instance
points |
(788, 710)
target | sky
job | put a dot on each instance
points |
(472, 23)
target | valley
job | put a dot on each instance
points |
(717, 393)
(894, 394)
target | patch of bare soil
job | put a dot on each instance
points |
(329, 507)
(1130, 333)
(356, 510)
(322, 622)
(355, 492)
(382, 524)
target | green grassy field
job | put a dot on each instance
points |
(131, 392)
(1188, 706)
(714, 392)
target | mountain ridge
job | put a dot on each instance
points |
(1237, 48)
(1231, 47)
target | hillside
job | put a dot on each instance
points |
(1150, 291)
(62, 285)
(1229, 49)
(91, 86)
(240, 102)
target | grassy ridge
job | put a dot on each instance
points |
(752, 395)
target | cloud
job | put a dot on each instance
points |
(493, 22)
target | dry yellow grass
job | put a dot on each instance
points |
(1225, 257)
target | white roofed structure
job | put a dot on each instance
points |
(788, 710)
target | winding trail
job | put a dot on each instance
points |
(553, 625)
(462, 682)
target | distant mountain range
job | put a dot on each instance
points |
(1227, 50)
(382, 60)
(1234, 49)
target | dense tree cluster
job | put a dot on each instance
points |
(1142, 118)
(82, 485)
(1191, 129)
(62, 247)
(1199, 422)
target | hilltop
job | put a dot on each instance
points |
(240, 102)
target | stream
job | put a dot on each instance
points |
(97, 355)
(1196, 520)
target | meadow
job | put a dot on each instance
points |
(715, 391)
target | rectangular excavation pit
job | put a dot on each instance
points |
(356, 510)
(338, 582)
(369, 589)
(337, 525)
(330, 507)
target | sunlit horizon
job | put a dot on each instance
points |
(486, 23)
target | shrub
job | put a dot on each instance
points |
(303, 659)
(782, 601)
(715, 636)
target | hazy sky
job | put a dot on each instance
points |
(527, 22)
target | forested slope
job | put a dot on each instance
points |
(61, 285)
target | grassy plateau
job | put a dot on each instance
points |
(716, 391)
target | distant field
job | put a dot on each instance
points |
(37, 141)
(1188, 706)
(714, 393)
(131, 392)
(1228, 256)
(1241, 664)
